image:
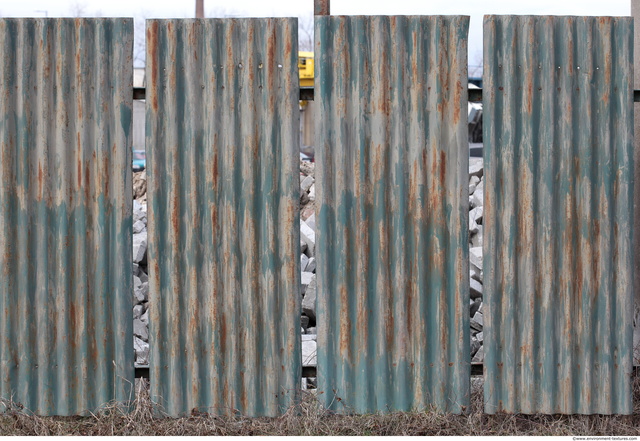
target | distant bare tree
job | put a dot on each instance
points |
(78, 10)
(139, 38)
(475, 69)
(305, 33)
(220, 12)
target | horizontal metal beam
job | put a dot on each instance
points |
(306, 94)
(139, 93)
(307, 371)
(311, 371)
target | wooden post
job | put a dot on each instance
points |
(199, 8)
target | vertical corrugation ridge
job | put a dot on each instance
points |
(222, 121)
(392, 247)
(557, 214)
(65, 213)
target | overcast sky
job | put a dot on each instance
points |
(304, 8)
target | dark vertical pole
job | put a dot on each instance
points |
(321, 7)
(199, 8)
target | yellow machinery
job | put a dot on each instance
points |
(305, 67)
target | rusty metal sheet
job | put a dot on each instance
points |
(65, 214)
(223, 177)
(558, 163)
(392, 195)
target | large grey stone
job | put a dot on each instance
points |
(473, 182)
(309, 237)
(304, 260)
(139, 227)
(309, 353)
(311, 265)
(479, 357)
(306, 183)
(476, 239)
(477, 198)
(477, 317)
(312, 193)
(145, 317)
(311, 221)
(139, 247)
(475, 273)
(475, 289)
(138, 310)
(473, 226)
(141, 291)
(140, 330)
(309, 300)
(474, 306)
(475, 346)
(305, 280)
(474, 322)
(475, 257)
(136, 289)
(304, 197)
(141, 349)
(476, 214)
(139, 212)
(476, 166)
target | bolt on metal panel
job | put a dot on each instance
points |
(558, 164)
(223, 177)
(65, 214)
(392, 240)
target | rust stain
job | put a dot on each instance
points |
(346, 332)
(152, 42)
(107, 175)
(223, 337)
(243, 392)
(40, 181)
(79, 163)
(175, 216)
(457, 101)
(87, 178)
(443, 169)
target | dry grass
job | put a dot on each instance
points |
(310, 419)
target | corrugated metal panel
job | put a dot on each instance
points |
(65, 213)
(223, 175)
(558, 152)
(392, 243)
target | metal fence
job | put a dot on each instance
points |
(223, 144)
(393, 256)
(558, 149)
(222, 136)
(65, 213)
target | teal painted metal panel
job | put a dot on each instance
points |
(223, 178)
(65, 214)
(558, 164)
(392, 241)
